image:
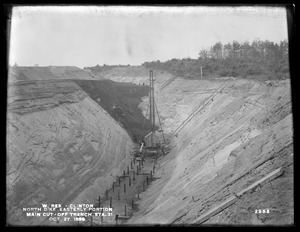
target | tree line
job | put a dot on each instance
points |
(260, 60)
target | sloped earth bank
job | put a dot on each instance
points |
(62, 147)
(23, 73)
(121, 101)
(242, 134)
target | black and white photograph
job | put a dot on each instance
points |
(149, 115)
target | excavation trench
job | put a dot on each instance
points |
(220, 143)
(125, 192)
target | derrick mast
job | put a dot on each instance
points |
(152, 107)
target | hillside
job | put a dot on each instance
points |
(242, 134)
(22, 73)
(121, 101)
(118, 99)
(115, 72)
(241, 131)
(259, 60)
(60, 143)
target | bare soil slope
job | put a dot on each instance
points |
(22, 73)
(241, 135)
(238, 135)
(138, 75)
(121, 101)
(62, 147)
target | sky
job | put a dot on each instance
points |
(89, 35)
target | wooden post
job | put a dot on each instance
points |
(110, 202)
(201, 71)
(137, 169)
(127, 170)
(118, 195)
(116, 219)
(124, 187)
(106, 194)
(99, 201)
(138, 193)
(132, 204)
(129, 181)
(147, 181)
(153, 169)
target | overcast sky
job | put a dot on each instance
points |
(90, 35)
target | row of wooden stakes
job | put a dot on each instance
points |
(138, 170)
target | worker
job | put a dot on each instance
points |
(141, 148)
(116, 218)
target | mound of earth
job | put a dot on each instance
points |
(20, 73)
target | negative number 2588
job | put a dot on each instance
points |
(262, 211)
